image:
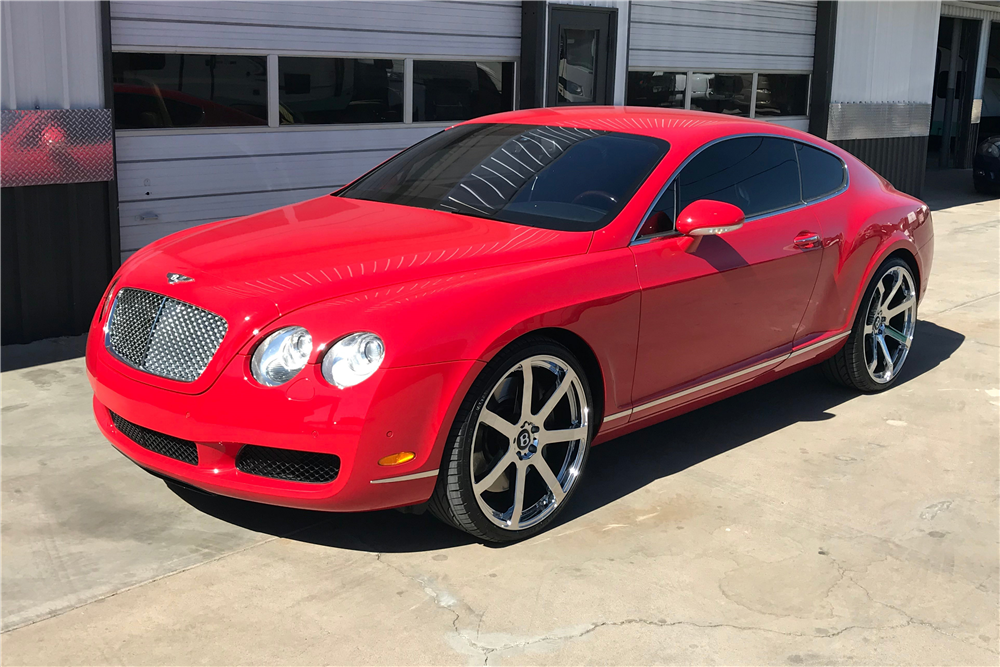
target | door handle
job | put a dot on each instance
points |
(808, 241)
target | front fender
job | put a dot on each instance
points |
(472, 316)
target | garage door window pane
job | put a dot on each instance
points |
(656, 89)
(722, 93)
(460, 90)
(331, 91)
(162, 90)
(782, 95)
(822, 173)
(757, 174)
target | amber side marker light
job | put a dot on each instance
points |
(396, 459)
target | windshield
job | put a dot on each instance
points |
(552, 177)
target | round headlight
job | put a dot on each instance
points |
(990, 147)
(281, 356)
(353, 359)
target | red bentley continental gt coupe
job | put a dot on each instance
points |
(458, 326)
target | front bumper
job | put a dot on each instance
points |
(986, 169)
(401, 409)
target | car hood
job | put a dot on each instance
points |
(281, 260)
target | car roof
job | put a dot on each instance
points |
(677, 126)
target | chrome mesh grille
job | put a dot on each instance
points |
(163, 336)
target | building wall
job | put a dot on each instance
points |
(881, 86)
(173, 179)
(59, 241)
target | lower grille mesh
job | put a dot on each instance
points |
(288, 464)
(159, 443)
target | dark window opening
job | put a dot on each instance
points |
(461, 90)
(329, 91)
(781, 95)
(656, 89)
(162, 90)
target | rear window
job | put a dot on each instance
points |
(562, 178)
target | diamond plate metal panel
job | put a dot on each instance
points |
(878, 121)
(49, 146)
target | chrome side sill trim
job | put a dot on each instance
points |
(825, 341)
(732, 376)
(710, 383)
(617, 415)
(406, 478)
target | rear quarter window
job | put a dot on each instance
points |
(822, 173)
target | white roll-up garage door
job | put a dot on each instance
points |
(171, 178)
(710, 36)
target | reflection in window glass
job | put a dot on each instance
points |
(552, 177)
(157, 90)
(782, 95)
(656, 89)
(460, 90)
(577, 66)
(322, 91)
(722, 93)
(757, 174)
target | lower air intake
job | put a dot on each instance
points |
(288, 464)
(159, 443)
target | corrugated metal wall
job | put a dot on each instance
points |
(723, 35)
(885, 51)
(171, 180)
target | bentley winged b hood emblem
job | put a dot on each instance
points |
(174, 278)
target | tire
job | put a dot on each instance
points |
(882, 334)
(492, 439)
(981, 187)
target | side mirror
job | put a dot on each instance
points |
(706, 217)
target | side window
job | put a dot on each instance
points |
(822, 173)
(663, 215)
(757, 174)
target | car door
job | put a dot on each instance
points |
(715, 310)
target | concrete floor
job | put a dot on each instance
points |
(795, 524)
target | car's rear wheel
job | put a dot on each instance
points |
(882, 334)
(519, 444)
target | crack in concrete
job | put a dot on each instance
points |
(487, 650)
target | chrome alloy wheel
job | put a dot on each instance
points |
(889, 324)
(529, 442)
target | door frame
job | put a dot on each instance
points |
(607, 58)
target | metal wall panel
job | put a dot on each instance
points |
(171, 181)
(51, 55)
(900, 160)
(885, 51)
(723, 35)
(401, 28)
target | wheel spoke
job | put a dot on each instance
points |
(895, 288)
(896, 310)
(515, 515)
(885, 353)
(494, 474)
(527, 387)
(869, 329)
(498, 423)
(556, 396)
(563, 435)
(542, 466)
(898, 335)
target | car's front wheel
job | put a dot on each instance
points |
(519, 444)
(882, 334)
